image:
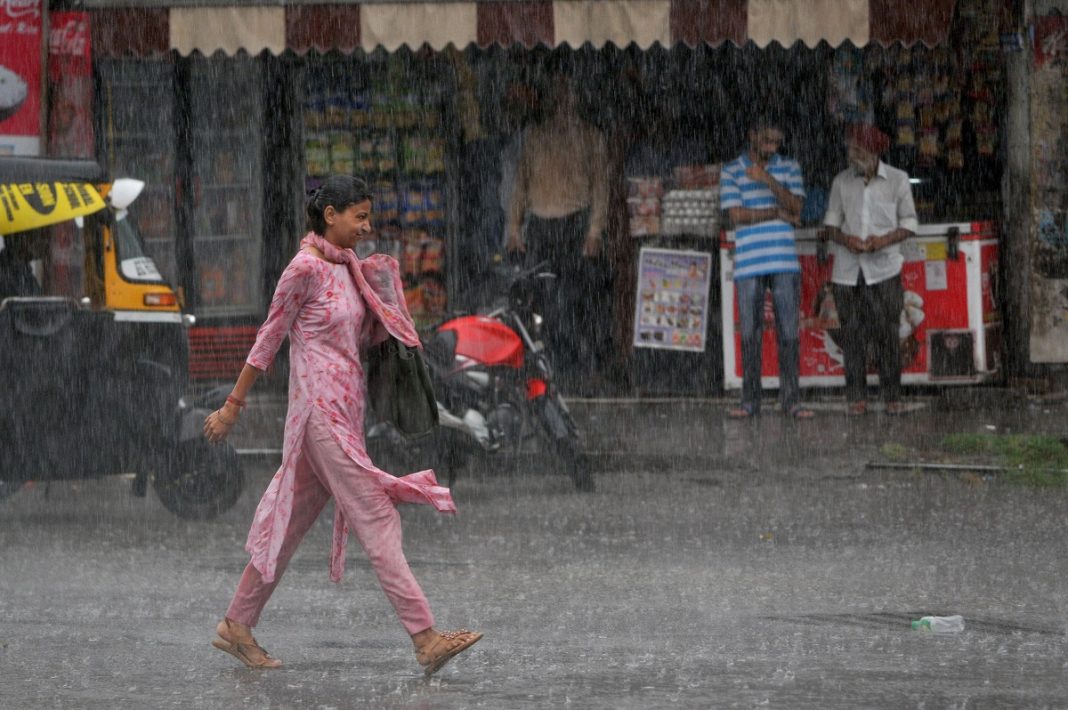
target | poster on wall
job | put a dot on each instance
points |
(20, 77)
(1049, 188)
(672, 303)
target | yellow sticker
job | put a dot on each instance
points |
(29, 205)
(936, 251)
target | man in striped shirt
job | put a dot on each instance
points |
(762, 193)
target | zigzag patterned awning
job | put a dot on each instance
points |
(145, 27)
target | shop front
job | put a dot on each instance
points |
(232, 112)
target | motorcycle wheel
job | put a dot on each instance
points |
(563, 438)
(200, 480)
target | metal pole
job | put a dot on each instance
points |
(42, 129)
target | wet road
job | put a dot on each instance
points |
(736, 585)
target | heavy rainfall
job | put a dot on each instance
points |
(720, 348)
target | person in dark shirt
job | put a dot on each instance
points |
(16, 276)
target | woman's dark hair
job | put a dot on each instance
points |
(337, 191)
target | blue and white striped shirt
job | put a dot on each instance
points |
(764, 247)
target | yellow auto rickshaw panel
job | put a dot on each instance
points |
(123, 295)
(30, 205)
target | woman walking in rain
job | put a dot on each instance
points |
(332, 305)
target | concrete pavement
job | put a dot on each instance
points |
(782, 576)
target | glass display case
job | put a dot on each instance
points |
(139, 143)
(227, 194)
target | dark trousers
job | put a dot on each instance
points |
(869, 317)
(577, 306)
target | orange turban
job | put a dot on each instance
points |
(868, 137)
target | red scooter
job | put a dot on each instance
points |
(494, 384)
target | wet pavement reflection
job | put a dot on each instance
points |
(763, 566)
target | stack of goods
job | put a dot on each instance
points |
(697, 177)
(643, 205)
(691, 207)
(690, 212)
(422, 265)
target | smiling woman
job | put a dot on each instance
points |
(332, 306)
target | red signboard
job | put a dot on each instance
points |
(20, 77)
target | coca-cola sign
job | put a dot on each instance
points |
(16, 9)
(69, 36)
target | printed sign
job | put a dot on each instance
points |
(32, 205)
(20, 77)
(672, 307)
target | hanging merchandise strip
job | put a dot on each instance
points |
(215, 26)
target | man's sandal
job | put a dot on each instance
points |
(856, 409)
(447, 644)
(251, 654)
(896, 408)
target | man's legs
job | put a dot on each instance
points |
(750, 295)
(571, 305)
(545, 240)
(849, 301)
(887, 299)
(786, 297)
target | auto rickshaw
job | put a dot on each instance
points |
(94, 383)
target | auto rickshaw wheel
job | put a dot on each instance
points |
(200, 480)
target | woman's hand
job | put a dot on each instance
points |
(220, 422)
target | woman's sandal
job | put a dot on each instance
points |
(448, 644)
(251, 654)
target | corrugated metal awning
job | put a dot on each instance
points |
(147, 27)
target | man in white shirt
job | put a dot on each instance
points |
(869, 214)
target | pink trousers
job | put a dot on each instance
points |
(324, 471)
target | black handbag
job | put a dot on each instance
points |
(399, 387)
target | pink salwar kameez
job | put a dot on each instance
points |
(331, 310)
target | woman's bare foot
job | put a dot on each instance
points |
(434, 648)
(236, 639)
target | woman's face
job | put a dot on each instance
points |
(347, 228)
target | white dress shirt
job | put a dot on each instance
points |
(868, 210)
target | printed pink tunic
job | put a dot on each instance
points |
(331, 310)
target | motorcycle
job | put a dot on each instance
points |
(493, 381)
